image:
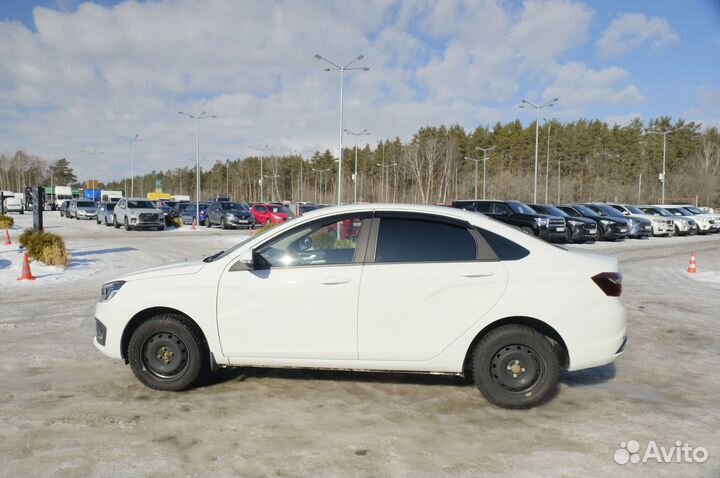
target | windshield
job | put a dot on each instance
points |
(141, 205)
(85, 204)
(679, 211)
(552, 210)
(278, 209)
(222, 254)
(694, 210)
(520, 208)
(634, 210)
(233, 205)
(585, 211)
(606, 210)
(192, 206)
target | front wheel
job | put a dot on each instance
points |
(127, 224)
(207, 222)
(528, 230)
(515, 366)
(166, 353)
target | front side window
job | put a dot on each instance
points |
(325, 242)
(501, 208)
(423, 240)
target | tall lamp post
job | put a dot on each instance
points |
(476, 161)
(133, 139)
(355, 174)
(526, 104)
(664, 135)
(92, 154)
(262, 150)
(385, 169)
(197, 119)
(485, 160)
(342, 70)
(547, 164)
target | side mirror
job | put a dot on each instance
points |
(245, 262)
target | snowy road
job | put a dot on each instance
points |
(67, 410)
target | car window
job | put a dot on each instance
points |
(423, 240)
(505, 249)
(483, 207)
(501, 208)
(324, 242)
(260, 209)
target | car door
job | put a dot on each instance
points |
(260, 213)
(300, 300)
(428, 281)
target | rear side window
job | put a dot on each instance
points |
(419, 240)
(505, 249)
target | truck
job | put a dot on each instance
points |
(107, 195)
(157, 196)
(58, 194)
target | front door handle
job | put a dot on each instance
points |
(334, 280)
(477, 274)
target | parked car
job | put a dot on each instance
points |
(14, 204)
(105, 213)
(609, 228)
(84, 209)
(303, 208)
(269, 213)
(65, 209)
(637, 228)
(705, 224)
(577, 229)
(177, 208)
(660, 226)
(229, 214)
(699, 212)
(683, 226)
(188, 213)
(514, 310)
(137, 213)
(516, 213)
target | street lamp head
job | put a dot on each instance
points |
(366, 68)
(360, 57)
(326, 69)
(318, 56)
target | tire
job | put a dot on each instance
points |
(116, 225)
(126, 224)
(167, 353)
(161, 228)
(207, 222)
(515, 366)
(223, 223)
(527, 230)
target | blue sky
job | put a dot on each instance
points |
(76, 76)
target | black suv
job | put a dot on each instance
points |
(228, 214)
(609, 228)
(516, 213)
(577, 229)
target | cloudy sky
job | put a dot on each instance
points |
(88, 75)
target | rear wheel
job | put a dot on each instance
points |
(168, 353)
(207, 222)
(515, 366)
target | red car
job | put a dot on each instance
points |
(269, 213)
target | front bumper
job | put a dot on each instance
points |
(639, 230)
(615, 231)
(556, 234)
(582, 232)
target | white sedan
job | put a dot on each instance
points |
(402, 288)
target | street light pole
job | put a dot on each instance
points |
(342, 70)
(547, 165)
(476, 161)
(385, 169)
(92, 154)
(525, 104)
(262, 150)
(664, 135)
(355, 175)
(197, 119)
(485, 160)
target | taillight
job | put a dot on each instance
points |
(609, 282)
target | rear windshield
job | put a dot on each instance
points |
(110, 206)
(85, 204)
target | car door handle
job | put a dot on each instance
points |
(477, 274)
(334, 280)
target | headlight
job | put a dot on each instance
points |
(574, 223)
(541, 221)
(606, 222)
(110, 289)
(231, 216)
(630, 222)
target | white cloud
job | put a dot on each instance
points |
(631, 30)
(622, 120)
(91, 74)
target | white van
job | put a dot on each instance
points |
(14, 204)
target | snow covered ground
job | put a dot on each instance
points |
(67, 410)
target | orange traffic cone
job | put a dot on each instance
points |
(194, 225)
(692, 269)
(7, 238)
(26, 274)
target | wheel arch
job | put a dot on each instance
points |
(531, 322)
(146, 314)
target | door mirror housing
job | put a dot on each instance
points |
(245, 262)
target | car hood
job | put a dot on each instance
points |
(143, 211)
(649, 217)
(177, 269)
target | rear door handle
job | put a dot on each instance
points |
(477, 274)
(334, 280)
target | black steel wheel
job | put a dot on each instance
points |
(168, 353)
(514, 366)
